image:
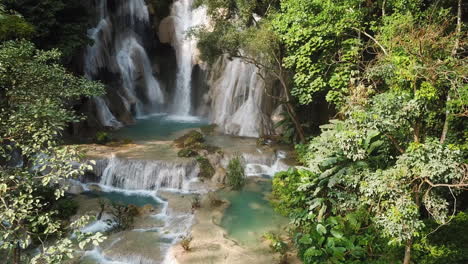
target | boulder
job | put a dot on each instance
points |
(146, 210)
(220, 176)
(167, 29)
(276, 117)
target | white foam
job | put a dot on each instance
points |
(184, 118)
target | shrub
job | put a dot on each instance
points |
(187, 153)
(277, 245)
(66, 208)
(196, 202)
(102, 138)
(124, 216)
(206, 169)
(185, 242)
(235, 173)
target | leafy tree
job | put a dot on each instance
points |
(13, 26)
(323, 45)
(60, 24)
(35, 94)
(255, 43)
(374, 180)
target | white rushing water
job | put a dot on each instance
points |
(237, 93)
(132, 60)
(118, 49)
(149, 174)
(159, 239)
(261, 166)
(184, 17)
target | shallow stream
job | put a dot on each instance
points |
(247, 218)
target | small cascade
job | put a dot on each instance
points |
(183, 18)
(104, 115)
(119, 50)
(238, 93)
(265, 165)
(147, 174)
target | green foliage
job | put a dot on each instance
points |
(66, 207)
(188, 140)
(34, 91)
(206, 169)
(448, 245)
(289, 134)
(123, 216)
(102, 138)
(235, 173)
(13, 26)
(186, 153)
(355, 198)
(276, 243)
(60, 24)
(322, 45)
(191, 143)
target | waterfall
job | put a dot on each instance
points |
(237, 93)
(104, 115)
(184, 18)
(119, 49)
(149, 174)
(132, 60)
(263, 165)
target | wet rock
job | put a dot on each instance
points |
(215, 159)
(95, 188)
(146, 210)
(220, 176)
(167, 29)
(277, 117)
(75, 189)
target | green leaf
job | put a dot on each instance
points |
(321, 229)
(336, 233)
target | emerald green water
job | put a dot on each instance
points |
(124, 198)
(158, 127)
(250, 214)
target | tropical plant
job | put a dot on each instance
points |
(235, 173)
(34, 92)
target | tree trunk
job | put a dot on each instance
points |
(407, 259)
(383, 7)
(292, 112)
(17, 254)
(417, 132)
(443, 136)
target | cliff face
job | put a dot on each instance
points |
(142, 54)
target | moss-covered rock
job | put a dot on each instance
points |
(102, 137)
(206, 169)
(209, 129)
(188, 140)
(187, 153)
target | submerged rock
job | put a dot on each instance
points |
(220, 176)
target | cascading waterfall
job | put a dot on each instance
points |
(237, 93)
(118, 49)
(265, 165)
(148, 174)
(132, 60)
(184, 18)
